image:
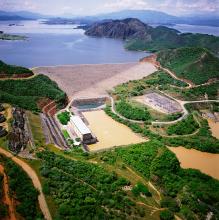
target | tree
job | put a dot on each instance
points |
(166, 215)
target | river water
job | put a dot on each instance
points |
(207, 163)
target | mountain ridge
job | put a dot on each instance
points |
(140, 36)
(147, 16)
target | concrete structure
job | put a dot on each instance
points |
(81, 130)
(162, 103)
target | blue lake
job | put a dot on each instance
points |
(60, 45)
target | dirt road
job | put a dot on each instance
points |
(7, 200)
(31, 173)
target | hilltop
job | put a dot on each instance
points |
(195, 64)
(26, 92)
(140, 36)
(120, 29)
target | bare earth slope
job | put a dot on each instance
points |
(93, 80)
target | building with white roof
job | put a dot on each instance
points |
(80, 128)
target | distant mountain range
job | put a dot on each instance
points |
(21, 15)
(147, 16)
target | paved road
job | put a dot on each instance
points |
(31, 173)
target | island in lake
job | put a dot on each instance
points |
(4, 36)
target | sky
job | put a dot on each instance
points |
(92, 7)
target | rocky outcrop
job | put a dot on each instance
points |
(120, 29)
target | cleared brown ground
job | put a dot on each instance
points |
(214, 126)
(92, 80)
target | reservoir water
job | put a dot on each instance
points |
(187, 28)
(60, 45)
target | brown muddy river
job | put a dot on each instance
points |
(207, 163)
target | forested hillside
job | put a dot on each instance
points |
(26, 93)
(187, 192)
(195, 64)
(83, 190)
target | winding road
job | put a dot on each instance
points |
(32, 174)
(182, 103)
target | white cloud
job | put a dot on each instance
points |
(88, 7)
(125, 4)
(189, 6)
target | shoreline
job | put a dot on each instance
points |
(82, 64)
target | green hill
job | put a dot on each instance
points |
(195, 64)
(166, 38)
(26, 93)
(10, 70)
(140, 36)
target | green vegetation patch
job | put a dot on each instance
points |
(139, 189)
(166, 215)
(64, 117)
(162, 79)
(84, 190)
(184, 189)
(161, 38)
(26, 93)
(4, 36)
(186, 126)
(195, 64)
(13, 70)
(36, 128)
(65, 134)
(203, 140)
(130, 111)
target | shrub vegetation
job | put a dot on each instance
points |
(130, 111)
(186, 126)
(84, 190)
(195, 64)
(64, 117)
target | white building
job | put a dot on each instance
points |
(80, 128)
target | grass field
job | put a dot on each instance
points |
(36, 128)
